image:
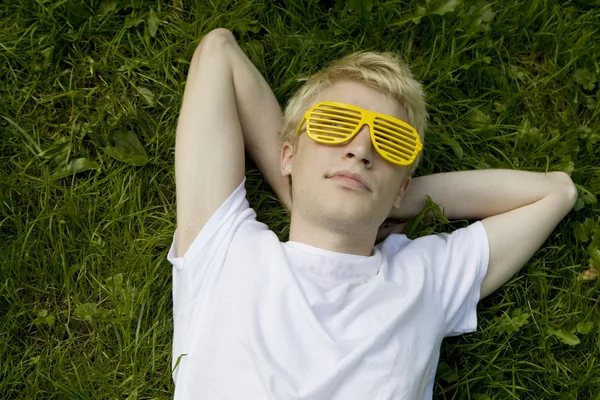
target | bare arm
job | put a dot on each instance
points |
(227, 104)
(519, 210)
(478, 194)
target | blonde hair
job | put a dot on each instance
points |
(382, 71)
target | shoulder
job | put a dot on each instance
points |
(434, 248)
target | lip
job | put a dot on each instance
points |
(352, 179)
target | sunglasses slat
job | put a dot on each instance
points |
(396, 132)
(399, 159)
(331, 122)
(394, 143)
(386, 145)
(342, 117)
(395, 125)
(397, 150)
(401, 139)
(329, 132)
(327, 126)
(328, 139)
(339, 110)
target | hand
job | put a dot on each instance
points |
(388, 227)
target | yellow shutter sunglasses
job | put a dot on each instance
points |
(335, 123)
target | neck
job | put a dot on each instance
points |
(339, 236)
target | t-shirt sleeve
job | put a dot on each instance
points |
(197, 274)
(203, 261)
(460, 262)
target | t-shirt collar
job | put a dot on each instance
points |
(328, 262)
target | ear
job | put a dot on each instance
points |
(403, 189)
(287, 158)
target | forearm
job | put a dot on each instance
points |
(478, 194)
(260, 119)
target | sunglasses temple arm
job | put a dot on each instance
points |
(300, 127)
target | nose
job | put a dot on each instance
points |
(361, 147)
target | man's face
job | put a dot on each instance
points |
(320, 196)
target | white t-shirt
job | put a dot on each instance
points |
(260, 319)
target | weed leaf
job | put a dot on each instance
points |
(243, 26)
(584, 327)
(566, 337)
(594, 254)
(580, 232)
(446, 372)
(43, 318)
(363, 7)
(480, 119)
(255, 51)
(481, 18)
(441, 7)
(86, 311)
(47, 56)
(152, 23)
(583, 231)
(114, 283)
(513, 323)
(585, 78)
(127, 149)
(589, 198)
(75, 166)
(107, 6)
(58, 151)
(147, 96)
(453, 145)
(132, 21)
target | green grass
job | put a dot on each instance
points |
(85, 288)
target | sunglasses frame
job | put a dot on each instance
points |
(366, 117)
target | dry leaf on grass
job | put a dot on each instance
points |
(589, 274)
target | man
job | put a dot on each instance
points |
(329, 315)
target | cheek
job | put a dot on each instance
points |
(391, 188)
(317, 157)
(307, 164)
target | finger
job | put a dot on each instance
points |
(382, 233)
(399, 228)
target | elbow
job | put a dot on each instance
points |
(566, 187)
(215, 39)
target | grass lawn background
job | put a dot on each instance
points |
(89, 99)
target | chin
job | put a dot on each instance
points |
(349, 211)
